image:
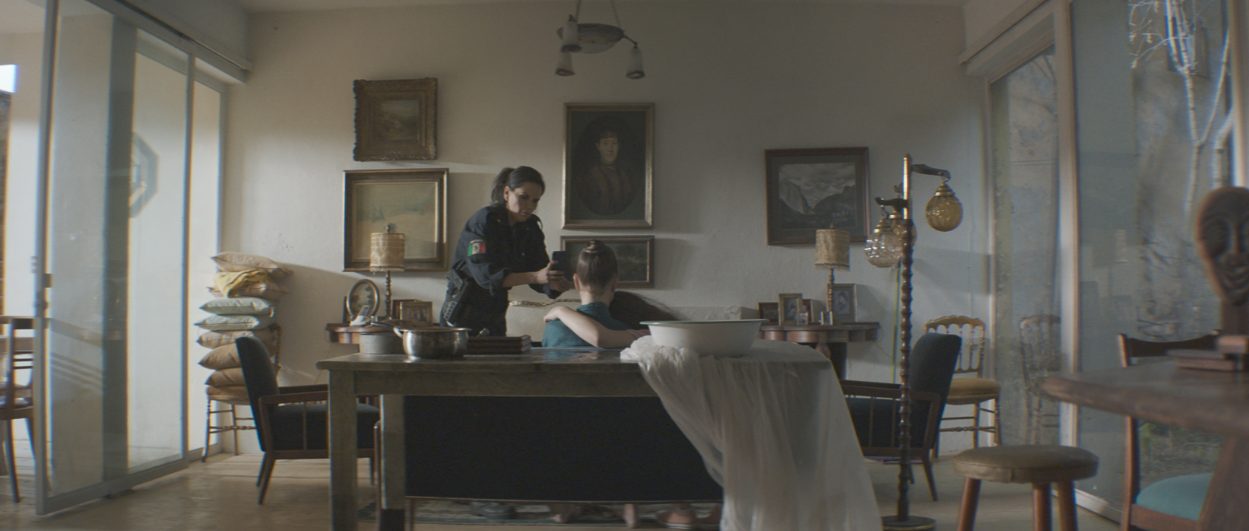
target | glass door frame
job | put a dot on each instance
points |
(46, 502)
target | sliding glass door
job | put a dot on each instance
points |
(115, 246)
(1153, 128)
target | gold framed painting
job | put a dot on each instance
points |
(413, 200)
(396, 119)
(635, 256)
(608, 165)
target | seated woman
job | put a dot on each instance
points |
(592, 324)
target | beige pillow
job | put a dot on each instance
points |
(226, 323)
(226, 377)
(223, 357)
(269, 336)
(235, 261)
(265, 290)
(238, 306)
(229, 393)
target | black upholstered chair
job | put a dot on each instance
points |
(291, 421)
(874, 406)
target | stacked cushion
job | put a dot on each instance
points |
(246, 289)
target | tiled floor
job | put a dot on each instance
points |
(221, 495)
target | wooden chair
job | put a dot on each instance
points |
(291, 421)
(874, 405)
(970, 387)
(1170, 504)
(16, 399)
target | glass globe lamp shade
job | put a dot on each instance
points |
(884, 249)
(944, 210)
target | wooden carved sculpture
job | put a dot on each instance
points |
(1223, 239)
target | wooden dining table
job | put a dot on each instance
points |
(1211, 401)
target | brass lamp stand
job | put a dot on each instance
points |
(944, 213)
(386, 255)
(832, 250)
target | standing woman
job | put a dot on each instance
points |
(502, 245)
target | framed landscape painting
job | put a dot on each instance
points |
(809, 189)
(396, 119)
(414, 200)
(608, 163)
(635, 256)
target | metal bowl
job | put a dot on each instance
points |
(433, 342)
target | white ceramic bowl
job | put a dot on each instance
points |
(706, 337)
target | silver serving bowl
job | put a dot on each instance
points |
(433, 342)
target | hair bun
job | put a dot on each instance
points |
(594, 247)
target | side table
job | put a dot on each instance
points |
(829, 340)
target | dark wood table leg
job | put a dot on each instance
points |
(342, 451)
(1225, 505)
(391, 515)
(836, 354)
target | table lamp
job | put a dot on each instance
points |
(832, 250)
(386, 255)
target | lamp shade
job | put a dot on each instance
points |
(386, 251)
(944, 210)
(832, 247)
(635, 64)
(564, 67)
(884, 249)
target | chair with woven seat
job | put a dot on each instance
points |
(1169, 504)
(291, 421)
(1042, 466)
(970, 388)
(16, 400)
(874, 405)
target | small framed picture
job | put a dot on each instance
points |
(843, 302)
(791, 309)
(396, 119)
(768, 310)
(416, 311)
(635, 256)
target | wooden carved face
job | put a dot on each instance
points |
(1223, 235)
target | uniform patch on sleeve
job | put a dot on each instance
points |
(476, 247)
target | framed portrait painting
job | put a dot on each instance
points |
(608, 165)
(396, 119)
(635, 256)
(843, 302)
(413, 200)
(809, 189)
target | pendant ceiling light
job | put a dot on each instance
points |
(589, 37)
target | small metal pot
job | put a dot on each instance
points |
(433, 342)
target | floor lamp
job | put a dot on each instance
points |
(893, 240)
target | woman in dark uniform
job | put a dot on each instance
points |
(502, 245)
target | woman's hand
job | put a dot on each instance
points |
(554, 277)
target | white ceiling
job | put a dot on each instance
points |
(256, 6)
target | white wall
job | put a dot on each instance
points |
(980, 17)
(728, 81)
(25, 50)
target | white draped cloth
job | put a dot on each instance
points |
(773, 429)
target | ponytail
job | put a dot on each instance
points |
(513, 178)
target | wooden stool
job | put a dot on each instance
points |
(1039, 465)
